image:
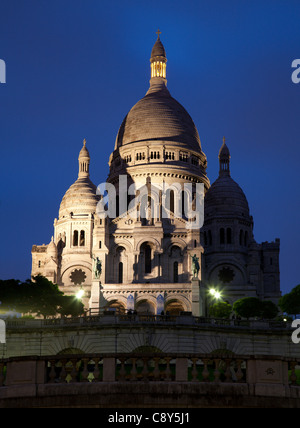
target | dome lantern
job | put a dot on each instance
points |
(84, 161)
(224, 159)
(158, 59)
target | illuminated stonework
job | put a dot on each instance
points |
(146, 263)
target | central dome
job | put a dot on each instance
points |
(158, 116)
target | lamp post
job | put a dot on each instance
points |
(215, 297)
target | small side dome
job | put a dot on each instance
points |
(225, 198)
(52, 249)
(81, 197)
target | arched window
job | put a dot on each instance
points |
(75, 238)
(175, 272)
(120, 276)
(146, 253)
(228, 233)
(170, 200)
(148, 267)
(82, 238)
(222, 236)
(117, 206)
(184, 204)
(241, 237)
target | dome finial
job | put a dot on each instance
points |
(158, 32)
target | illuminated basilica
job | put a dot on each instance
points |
(146, 250)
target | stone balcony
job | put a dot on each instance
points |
(149, 380)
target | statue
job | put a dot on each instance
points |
(195, 266)
(97, 267)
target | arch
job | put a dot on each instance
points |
(229, 235)
(222, 236)
(145, 307)
(180, 299)
(67, 274)
(117, 305)
(150, 240)
(82, 238)
(169, 201)
(80, 265)
(122, 243)
(146, 349)
(174, 307)
(241, 237)
(224, 262)
(176, 242)
(70, 351)
(147, 252)
(246, 239)
(75, 238)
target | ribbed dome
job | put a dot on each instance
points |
(80, 198)
(158, 116)
(225, 198)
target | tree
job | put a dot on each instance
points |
(220, 310)
(10, 294)
(254, 307)
(70, 305)
(37, 296)
(290, 302)
(247, 307)
(41, 296)
(268, 309)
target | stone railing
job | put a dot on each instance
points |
(125, 368)
(241, 379)
(111, 318)
(143, 367)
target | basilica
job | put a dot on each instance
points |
(138, 248)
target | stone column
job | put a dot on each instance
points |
(96, 299)
(198, 298)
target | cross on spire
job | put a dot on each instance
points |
(158, 32)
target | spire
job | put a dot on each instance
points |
(224, 159)
(84, 161)
(158, 60)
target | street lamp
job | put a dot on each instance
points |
(79, 294)
(215, 293)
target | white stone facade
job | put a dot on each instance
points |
(146, 250)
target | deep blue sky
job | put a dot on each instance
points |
(76, 67)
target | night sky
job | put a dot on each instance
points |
(74, 68)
